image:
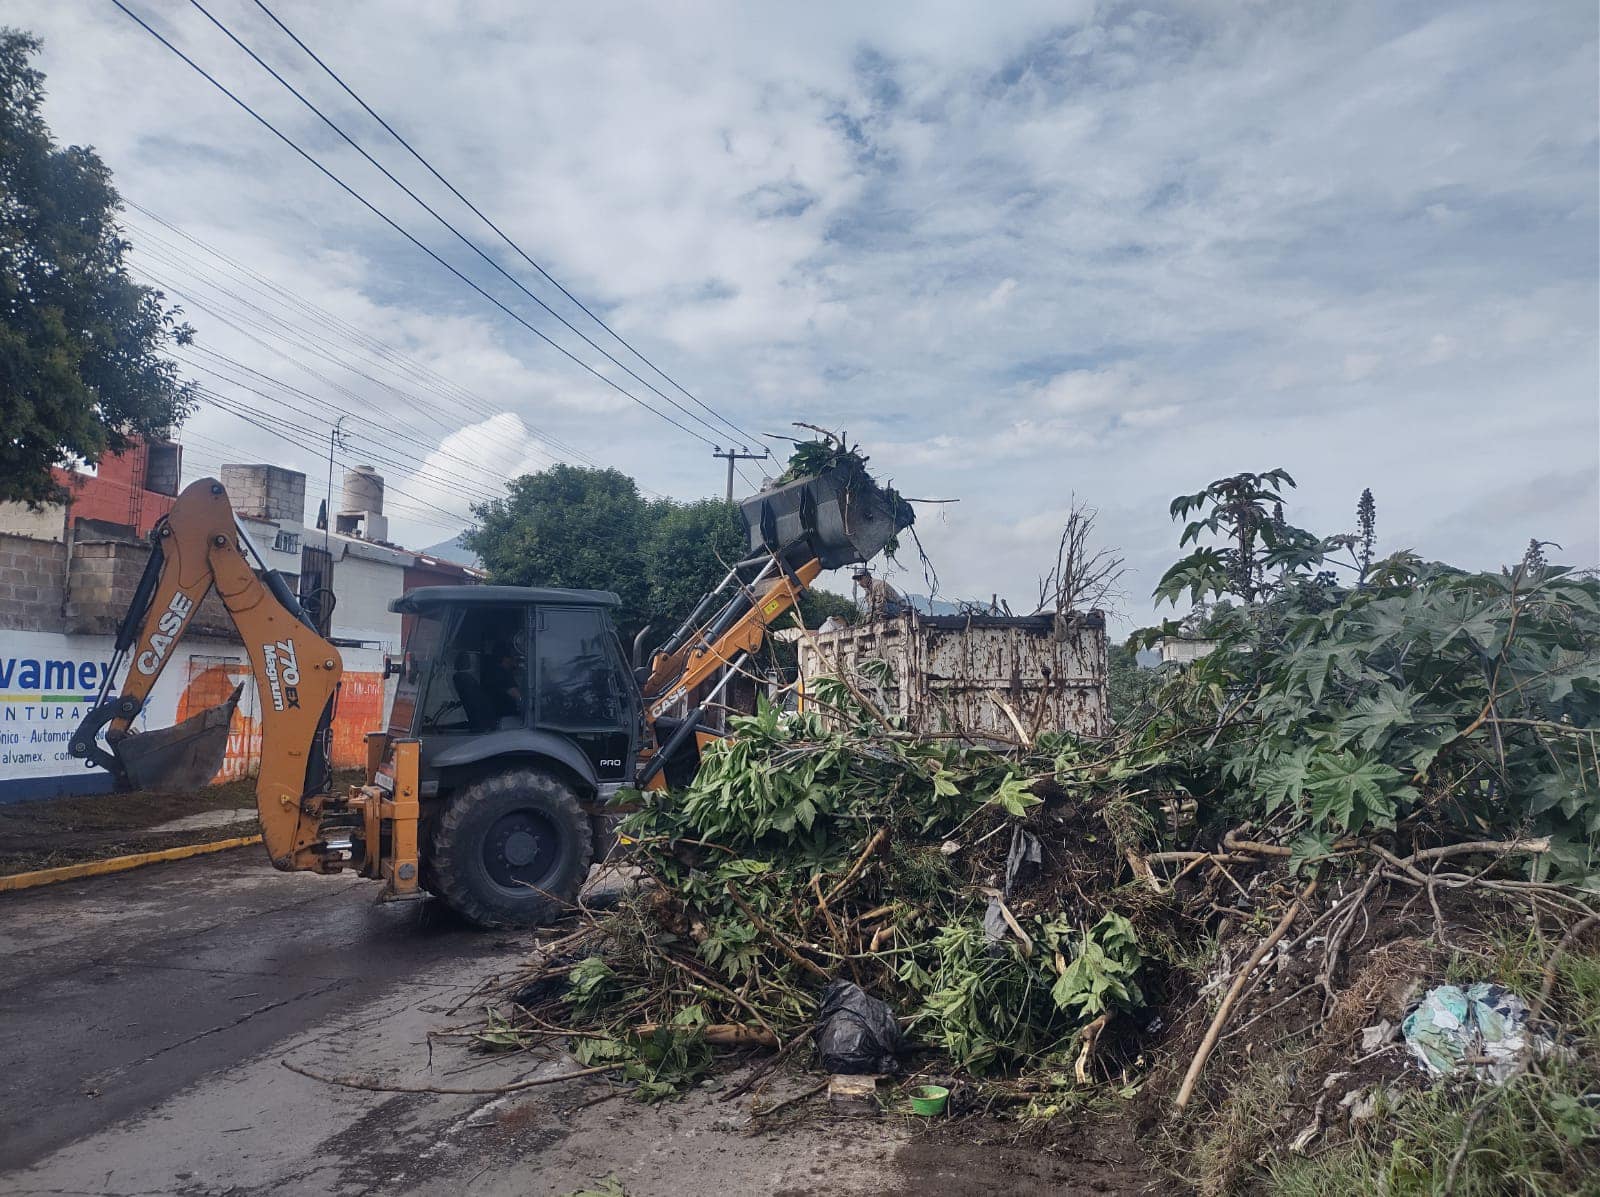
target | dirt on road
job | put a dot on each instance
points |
(149, 1016)
(51, 832)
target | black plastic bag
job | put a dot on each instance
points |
(856, 1033)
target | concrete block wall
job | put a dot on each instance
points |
(33, 576)
(101, 582)
(266, 492)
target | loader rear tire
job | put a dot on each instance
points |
(511, 850)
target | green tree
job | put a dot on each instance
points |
(817, 605)
(570, 527)
(592, 529)
(688, 548)
(1130, 688)
(80, 368)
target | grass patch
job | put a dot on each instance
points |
(1538, 1135)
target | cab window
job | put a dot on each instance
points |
(478, 680)
(576, 673)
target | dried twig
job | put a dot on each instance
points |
(1209, 1043)
(1011, 714)
(722, 989)
(1091, 1036)
(766, 929)
(789, 1101)
(873, 844)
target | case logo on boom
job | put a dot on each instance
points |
(167, 629)
(283, 674)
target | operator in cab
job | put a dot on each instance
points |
(883, 601)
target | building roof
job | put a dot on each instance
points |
(424, 597)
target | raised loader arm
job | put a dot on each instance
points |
(197, 546)
(699, 649)
(796, 530)
(763, 588)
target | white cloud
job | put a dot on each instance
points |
(1017, 251)
(1000, 296)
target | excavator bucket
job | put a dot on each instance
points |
(841, 513)
(184, 756)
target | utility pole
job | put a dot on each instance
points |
(335, 438)
(733, 455)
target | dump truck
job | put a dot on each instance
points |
(978, 677)
(517, 716)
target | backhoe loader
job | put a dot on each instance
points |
(516, 717)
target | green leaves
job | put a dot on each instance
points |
(1351, 791)
(83, 347)
(1101, 976)
(1015, 795)
(988, 1007)
(591, 985)
(662, 1063)
(1421, 688)
(592, 529)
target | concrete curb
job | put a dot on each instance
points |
(118, 864)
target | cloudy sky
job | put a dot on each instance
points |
(1019, 251)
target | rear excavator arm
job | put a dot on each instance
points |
(198, 546)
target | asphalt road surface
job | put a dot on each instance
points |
(146, 1018)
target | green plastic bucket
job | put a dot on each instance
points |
(928, 1100)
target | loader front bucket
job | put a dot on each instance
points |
(841, 513)
(184, 756)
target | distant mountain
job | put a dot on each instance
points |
(453, 550)
(930, 606)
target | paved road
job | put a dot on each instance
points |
(120, 992)
(145, 1018)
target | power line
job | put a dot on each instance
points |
(390, 418)
(306, 339)
(431, 211)
(404, 365)
(517, 249)
(313, 446)
(248, 277)
(320, 349)
(365, 203)
(415, 510)
(337, 412)
(392, 458)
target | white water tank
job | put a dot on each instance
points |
(363, 491)
(361, 511)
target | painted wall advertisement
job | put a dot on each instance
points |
(49, 681)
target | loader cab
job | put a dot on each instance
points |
(494, 672)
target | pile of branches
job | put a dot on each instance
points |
(1386, 762)
(966, 886)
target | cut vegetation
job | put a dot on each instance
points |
(1208, 925)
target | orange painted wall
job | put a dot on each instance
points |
(359, 710)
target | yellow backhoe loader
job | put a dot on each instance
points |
(516, 717)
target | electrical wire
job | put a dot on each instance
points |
(403, 366)
(392, 459)
(390, 418)
(403, 363)
(431, 211)
(364, 202)
(306, 439)
(517, 249)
